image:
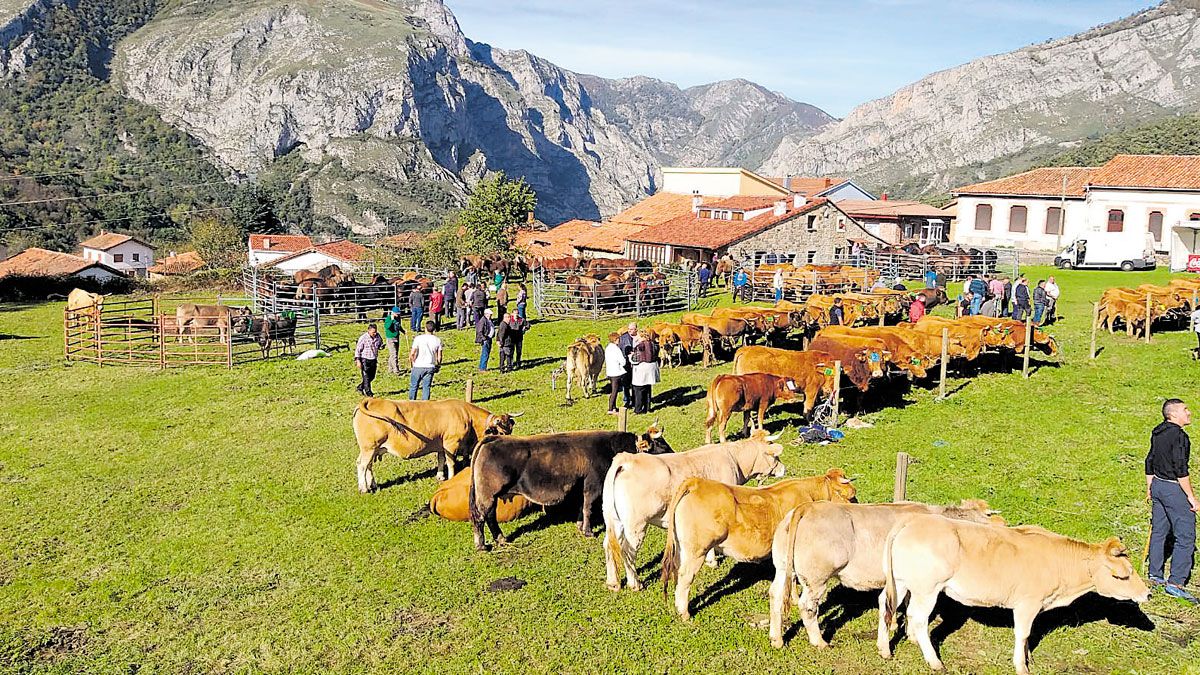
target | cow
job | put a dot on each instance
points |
(748, 394)
(452, 501)
(677, 339)
(585, 362)
(638, 490)
(603, 266)
(409, 429)
(738, 521)
(851, 540)
(910, 351)
(194, 317)
(1025, 569)
(933, 297)
(868, 351)
(966, 340)
(816, 311)
(811, 371)
(546, 468)
(725, 328)
(268, 329)
(80, 301)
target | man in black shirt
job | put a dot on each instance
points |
(1173, 504)
(837, 314)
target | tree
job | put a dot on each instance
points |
(219, 243)
(254, 212)
(496, 208)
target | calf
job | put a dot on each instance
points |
(585, 361)
(753, 392)
(820, 541)
(811, 371)
(1025, 569)
(546, 468)
(738, 522)
(638, 490)
(452, 501)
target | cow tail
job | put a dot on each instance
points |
(670, 558)
(711, 401)
(614, 529)
(889, 582)
(790, 556)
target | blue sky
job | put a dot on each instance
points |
(834, 54)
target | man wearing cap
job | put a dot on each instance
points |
(393, 326)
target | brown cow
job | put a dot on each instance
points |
(585, 361)
(868, 351)
(738, 521)
(966, 341)
(726, 329)
(748, 394)
(452, 501)
(812, 372)
(195, 317)
(908, 348)
(677, 339)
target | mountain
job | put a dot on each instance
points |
(1001, 113)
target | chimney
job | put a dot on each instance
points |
(883, 196)
(696, 201)
(266, 243)
(780, 207)
(798, 200)
(787, 182)
(828, 182)
(529, 218)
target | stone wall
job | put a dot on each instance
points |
(830, 230)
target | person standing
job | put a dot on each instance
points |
(740, 280)
(979, 290)
(479, 301)
(501, 301)
(1052, 292)
(1196, 327)
(1039, 302)
(705, 276)
(366, 358)
(626, 344)
(472, 276)
(437, 302)
(498, 282)
(1173, 504)
(1021, 299)
(393, 326)
(425, 357)
(522, 303)
(520, 325)
(416, 308)
(461, 307)
(916, 309)
(614, 369)
(450, 293)
(506, 338)
(645, 371)
(485, 331)
(837, 313)
(930, 278)
(1006, 298)
(777, 284)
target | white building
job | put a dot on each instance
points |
(265, 248)
(1148, 197)
(719, 181)
(345, 254)
(39, 262)
(120, 252)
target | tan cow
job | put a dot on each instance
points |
(1025, 569)
(452, 501)
(749, 394)
(198, 317)
(585, 361)
(638, 489)
(812, 372)
(738, 522)
(820, 541)
(80, 301)
(409, 429)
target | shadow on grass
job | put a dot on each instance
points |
(408, 478)
(540, 361)
(5, 336)
(739, 578)
(503, 394)
(678, 397)
(843, 605)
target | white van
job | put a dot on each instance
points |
(1108, 250)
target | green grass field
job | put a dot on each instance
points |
(207, 520)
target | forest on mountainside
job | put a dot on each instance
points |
(1172, 136)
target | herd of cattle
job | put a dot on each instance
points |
(1173, 302)
(805, 278)
(811, 529)
(611, 285)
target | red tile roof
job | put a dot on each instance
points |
(889, 209)
(107, 240)
(1177, 172)
(184, 263)
(610, 237)
(346, 251)
(655, 209)
(710, 234)
(1045, 182)
(556, 242)
(39, 262)
(808, 186)
(280, 242)
(743, 203)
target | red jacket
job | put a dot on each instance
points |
(916, 310)
(436, 301)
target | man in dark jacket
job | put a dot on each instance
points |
(479, 301)
(1039, 301)
(416, 308)
(1172, 502)
(450, 291)
(485, 331)
(837, 314)
(506, 337)
(625, 342)
(979, 289)
(1021, 297)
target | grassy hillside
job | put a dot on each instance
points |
(207, 520)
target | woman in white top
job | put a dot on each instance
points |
(777, 284)
(645, 371)
(614, 368)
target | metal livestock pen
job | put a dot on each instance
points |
(345, 302)
(651, 290)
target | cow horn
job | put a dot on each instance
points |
(772, 439)
(516, 415)
(845, 480)
(992, 512)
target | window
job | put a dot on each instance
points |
(1116, 220)
(841, 225)
(738, 215)
(118, 257)
(812, 255)
(1155, 225)
(705, 213)
(983, 217)
(1016, 218)
(1054, 216)
(137, 257)
(812, 224)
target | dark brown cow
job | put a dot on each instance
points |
(750, 393)
(865, 351)
(811, 371)
(906, 347)
(546, 468)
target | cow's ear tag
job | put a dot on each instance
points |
(874, 356)
(829, 371)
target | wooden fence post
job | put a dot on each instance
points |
(469, 394)
(942, 365)
(1148, 319)
(228, 346)
(900, 489)
(1028, 338)
(623, 419)
(1095, 323)
(160, 322)
(67, 334)
(837, 391)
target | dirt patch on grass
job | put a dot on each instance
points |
(411, 622)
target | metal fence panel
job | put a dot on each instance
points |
(572, 294)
